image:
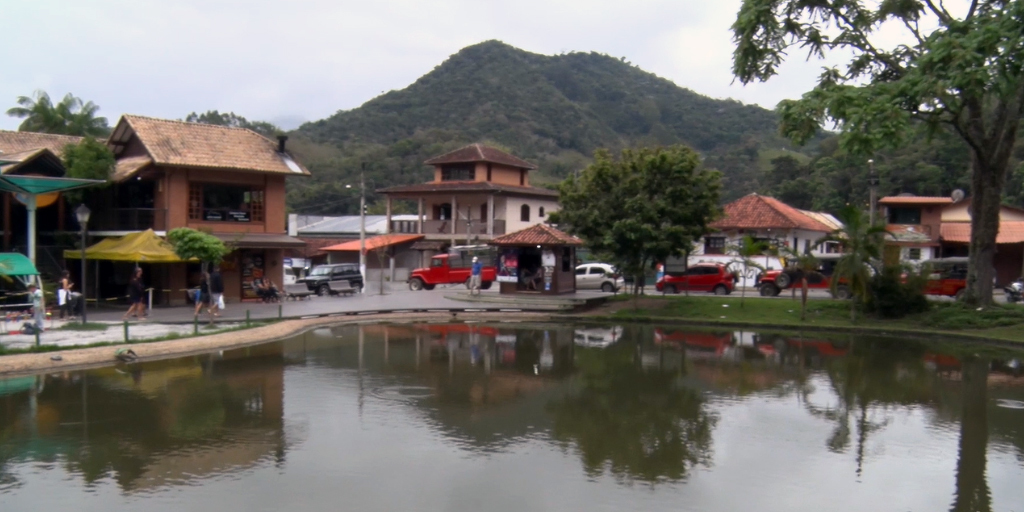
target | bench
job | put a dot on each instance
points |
(298, 291)
(341, 288)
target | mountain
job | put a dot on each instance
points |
(552, 110)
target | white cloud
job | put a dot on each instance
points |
(267, 59)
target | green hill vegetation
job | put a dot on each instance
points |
(552, 110)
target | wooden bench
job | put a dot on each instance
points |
(341, 288)
(298, 291)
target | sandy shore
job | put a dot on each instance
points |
(76, 359)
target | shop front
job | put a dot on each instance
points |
(537, 260)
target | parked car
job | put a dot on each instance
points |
(451, 268)
(948, 277)
(319, 280)
(772, 282)
(598, 276)
(597, 337)
(703, 277)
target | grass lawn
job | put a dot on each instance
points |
(998, 322)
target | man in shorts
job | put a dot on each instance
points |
(216, 291)
(474, 277)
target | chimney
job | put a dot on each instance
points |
(281, 139)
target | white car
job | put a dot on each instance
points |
(598, 276)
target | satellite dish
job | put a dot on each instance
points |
(957, 195)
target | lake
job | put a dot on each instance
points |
(514, 417)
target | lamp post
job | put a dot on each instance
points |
(873, 190)
(82, 213)
(362, 223)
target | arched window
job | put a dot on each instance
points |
(524, 213)
(540, 212)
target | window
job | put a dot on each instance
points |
(483, 212)
(524, 213)
(457, 173)
(714, 245)
(225, 203)
(522, 177)
(566, 259)
(581, 271)
(596, 271)
(443, 211)
(914, 253)
(488, 172)
(807, 246)
(904, 215)
(540, 212)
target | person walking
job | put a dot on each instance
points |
(216, 292)
(203, 300)
(38, 305)
(136, 296)
(64, 295)
(474, 277)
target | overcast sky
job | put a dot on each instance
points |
(288, 61)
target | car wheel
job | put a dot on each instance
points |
(416, 284)
(671, 289)
(323, 290)
(428, 287)
(769, 290)
(783, 280)
(960, 294)
(843, 293)
(721, 290)
(486, 285)
(607, 288)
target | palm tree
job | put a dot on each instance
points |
(747, 249)
(862, 247)
(68, 117)
(805, 264)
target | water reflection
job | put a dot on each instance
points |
(546, 403)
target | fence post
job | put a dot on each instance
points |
(126, 337)
(195, 324)
(150, 305)
(280, 311)
(247, 318)
(38, 343)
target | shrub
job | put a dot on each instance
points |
(895, 293)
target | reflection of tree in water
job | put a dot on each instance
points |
(972, 493)
(635, 423)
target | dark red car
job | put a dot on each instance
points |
(703, 277)
(948, 277)
(772, 282)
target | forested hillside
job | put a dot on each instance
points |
(552, 110)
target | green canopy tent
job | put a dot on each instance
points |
(16, 265)
(27, 188)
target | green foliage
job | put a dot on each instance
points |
(553, 111)
(189, 243)
(747, 249)
(231, 119)
(806, 264)
(896, 292)
(70, 116)
(862, 248)
(957, 316)
(646, 206)
(89, 159)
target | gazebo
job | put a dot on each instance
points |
(537, 260)
(28, 189)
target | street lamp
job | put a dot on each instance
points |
(82, 213)
(873, 188)
(362, 223)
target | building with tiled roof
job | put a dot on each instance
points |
(768, 219)
(16, 142)
(538, 234)
(478, 193)
(538, 259)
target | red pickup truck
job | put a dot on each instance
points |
(443, 271)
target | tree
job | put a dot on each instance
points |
(805, 264)
(231, 119)
(646, 206)
(747, 249)
(862, 248)
(88, 159)
(192, 244)
(967, 76)
(68, 117)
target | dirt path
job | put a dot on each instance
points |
(75, 359)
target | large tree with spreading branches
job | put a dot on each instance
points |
(960, 69)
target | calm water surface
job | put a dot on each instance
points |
(511, 417)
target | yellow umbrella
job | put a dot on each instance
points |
(142, 247)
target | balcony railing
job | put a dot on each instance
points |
(444, 227)
(129, 219)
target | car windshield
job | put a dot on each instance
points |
(320, 271)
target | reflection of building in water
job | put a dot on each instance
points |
(154, 424)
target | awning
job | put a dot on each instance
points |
(16, 264)
(142, 247)
(374, 243)
(960, 232)
(259, 241)
(38, 185)
(430, 245)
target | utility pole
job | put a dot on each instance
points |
(873, 189)
(362, 224)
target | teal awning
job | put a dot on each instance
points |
(16, 264)
(38, 185)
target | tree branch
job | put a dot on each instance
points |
(914, 29)
(941, 12)
(971, 11)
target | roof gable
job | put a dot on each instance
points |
(197, 145)
(755, 211)
(479, 153)
(17, 142)
(538, 234)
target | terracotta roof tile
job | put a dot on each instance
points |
(373, 243)
(204, 146)
(480, 153)
(16, 142)
(538, 234)
(126, 167)
(468, 186)
(1011, 232)
(914, 200)
(755, 211)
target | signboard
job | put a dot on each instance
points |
(287, 262)
(508, 266)
(238, 216)
(548, 258)
(548, 272)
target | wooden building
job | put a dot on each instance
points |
(539, 259)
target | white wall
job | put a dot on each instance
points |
(512, 210)
(787, 237)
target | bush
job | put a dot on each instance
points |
(957, 315)
(895, 293)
